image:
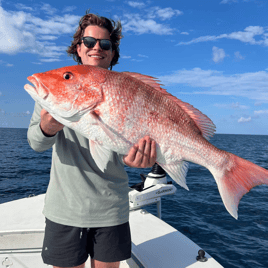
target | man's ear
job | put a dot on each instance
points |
(78, 49)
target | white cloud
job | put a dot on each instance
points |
(260, 112)
(164, 13)
(238, 56)
(136, 60)
(185, 33)
(156, 12)
(44, 7)
(57, 25)
(234, 105)
(244, 120)
(258, 103)
(136, 4)
(21, 31)
(135, 23)
(236, 1)
(47, 37)
(12, 36)
(146, 21)
(48, 9)
(125, 57)
(68, 9)
(218, 54)
(228, 1)
(237, 105)
(23, 7)
(6, 64)
(211, 82)
(246, 36)
(50, 60)
(143, 56)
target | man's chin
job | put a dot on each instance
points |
(97, 65)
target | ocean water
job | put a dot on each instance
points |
(198, 213)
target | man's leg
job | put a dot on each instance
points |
(96, 264)
(80, 266)
(108, 246)
(100, 264)
(64, 246)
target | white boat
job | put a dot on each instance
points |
(155, 244)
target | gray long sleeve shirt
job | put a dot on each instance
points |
(79, 193)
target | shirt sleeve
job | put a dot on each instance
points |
(36, 139)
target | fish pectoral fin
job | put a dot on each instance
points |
(178, 172)
(100, 154)
(98, 120)
(115, 138)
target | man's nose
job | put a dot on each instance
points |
(97, 45)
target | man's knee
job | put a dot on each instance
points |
(100, 264)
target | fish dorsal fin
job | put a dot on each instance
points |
(149, 80)
(204, 124)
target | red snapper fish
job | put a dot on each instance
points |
(114, 110)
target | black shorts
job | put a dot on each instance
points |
(67, 246)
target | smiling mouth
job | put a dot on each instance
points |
(96, 57)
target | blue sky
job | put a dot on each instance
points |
(211, 54)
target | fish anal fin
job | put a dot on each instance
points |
(177, 171)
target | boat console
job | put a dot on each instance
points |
(150, 190)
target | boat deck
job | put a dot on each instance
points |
(154, 243)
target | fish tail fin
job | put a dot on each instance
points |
(237, 179)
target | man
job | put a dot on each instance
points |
(87, 210)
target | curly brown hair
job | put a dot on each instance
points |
(114, 28)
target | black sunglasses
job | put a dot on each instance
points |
(90, 42)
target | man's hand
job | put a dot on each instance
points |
(142, 155)
(49, 125)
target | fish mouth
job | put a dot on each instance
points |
(38, 89)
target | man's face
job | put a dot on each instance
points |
(95, 56)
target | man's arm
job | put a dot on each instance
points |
(141, 155)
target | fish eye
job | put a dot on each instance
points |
(67, 76)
